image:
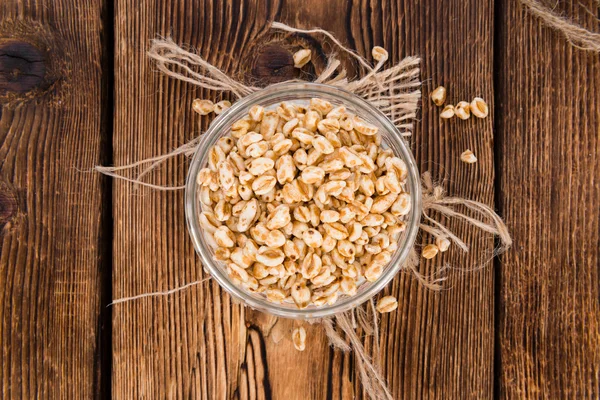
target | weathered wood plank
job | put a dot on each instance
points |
(200, 344)
(441, 345)
(549, 157)
(193, 344)
(51, 212)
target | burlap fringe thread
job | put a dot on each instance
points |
(396, 92)
(576, 35)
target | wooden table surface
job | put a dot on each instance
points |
(77, 90)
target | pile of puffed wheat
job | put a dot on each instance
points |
(302, 203)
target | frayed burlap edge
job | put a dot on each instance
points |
(394, 90)
(576, 35)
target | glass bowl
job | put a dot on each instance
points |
(299, 92)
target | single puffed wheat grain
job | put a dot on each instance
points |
(387, 304)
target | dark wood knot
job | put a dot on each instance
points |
(273, 64)
(22, 67)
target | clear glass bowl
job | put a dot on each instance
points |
(300, 92)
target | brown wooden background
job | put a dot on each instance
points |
(77, 90)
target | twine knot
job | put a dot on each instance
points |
(432, 193)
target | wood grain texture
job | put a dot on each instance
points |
(440, 345)
(51, 247)
(549, 158)
(200, 344)
(194, 344)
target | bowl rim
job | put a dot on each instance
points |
(239, 293)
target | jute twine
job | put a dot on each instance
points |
(396, 92)
(576, 35)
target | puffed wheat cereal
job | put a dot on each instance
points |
(387, 304)
(299, 338)
(302, 203)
